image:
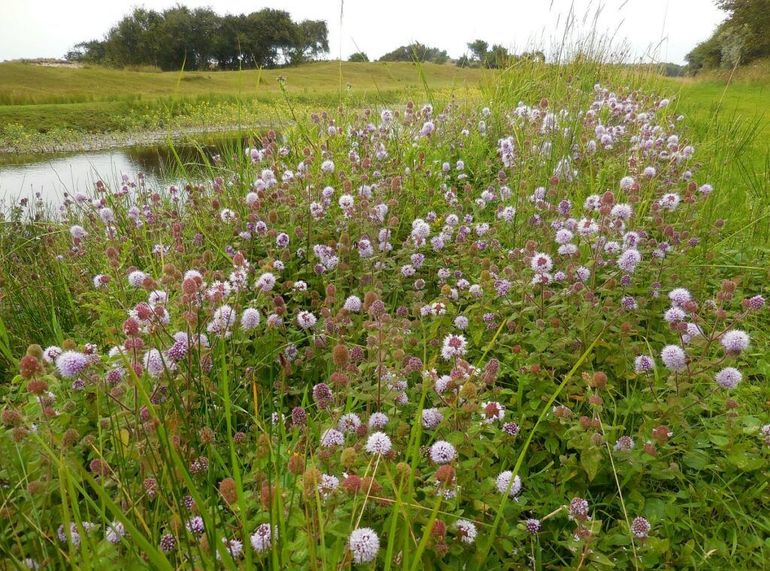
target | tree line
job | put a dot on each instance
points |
(199, 39)
(742, 38)
(481, 55)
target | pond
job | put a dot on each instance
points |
(54, 175)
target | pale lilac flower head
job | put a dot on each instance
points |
(233, 546)
(353, 304)
(348, 422)
(71, 363)
(265, 282)
(306, 320)
(674, 358)
(195, 525)
(115, 532)
(153, 363)
(679, 296)
(454, 346)
(754, 303)
(227, 216)
(622, 211)
(51, 353)
(431, 417)
(136, 278)
(328, 485)
(629, 259)
(541, 263)
(78, 232)
(466, 531)
(644, 364)
(250, 319)
(364, 545)
(107, 215)
(262, 538)
(578, 509)
(640, 527)
(728, 378)
(669, 201)
(332, 437)
(674, 315)
(505, 485)
(378, 443)
(735, 341)
(282, 240)
(625, 444)
(378, 420)
(442, 452)
(563, 236)
(532, 525)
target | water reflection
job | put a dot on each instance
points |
(55, 175)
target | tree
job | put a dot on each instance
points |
(226, 46)
(706, 54)
(741, 38)
(174, 36)
(206, 25)
(197, 39)
(311, 41)
(497, 57)
(417, 52)
(270, 35)
(479, 50)
(88, 52)
(134, 40)
(359, 57)
(750, 20)
(464, 61)
(535, 55)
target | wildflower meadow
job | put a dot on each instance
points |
(446, 333)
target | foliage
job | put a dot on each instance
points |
(178, 38)
(496, 57)
(417, 52)
(742, 38)
(358, 57)
(346, 344)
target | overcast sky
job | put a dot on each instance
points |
(655, 30)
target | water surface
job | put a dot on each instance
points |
(54, 175)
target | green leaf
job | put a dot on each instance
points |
(590, 460)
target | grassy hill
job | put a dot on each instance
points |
(25, 84)
(96, 99)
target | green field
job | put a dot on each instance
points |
(45, 99)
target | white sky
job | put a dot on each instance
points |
(48, 28)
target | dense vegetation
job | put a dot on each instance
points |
(180, 38)
(417, 52)
(496, 57)
(513, 331)
(742, 38)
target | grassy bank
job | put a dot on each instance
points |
(39, 103)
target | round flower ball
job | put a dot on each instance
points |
(504, 484)
(364, 545)
(378, 443)
(442, 452)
